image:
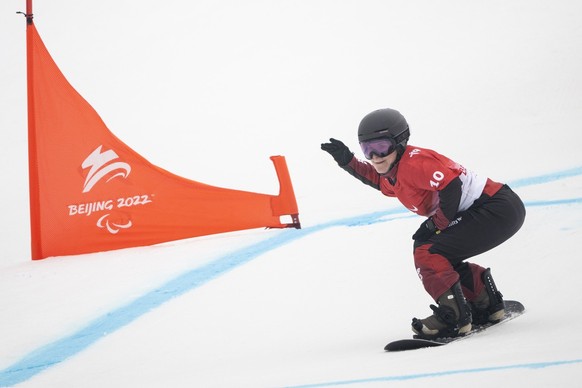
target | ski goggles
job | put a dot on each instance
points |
(380, 147)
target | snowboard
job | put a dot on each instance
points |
(513, 309)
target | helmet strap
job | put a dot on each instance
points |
(389, 174)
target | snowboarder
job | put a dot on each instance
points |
(467, 214)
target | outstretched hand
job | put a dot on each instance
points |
(340, 152)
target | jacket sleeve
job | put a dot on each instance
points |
(364, 172)
(449, 199)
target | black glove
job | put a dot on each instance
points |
(426, 231)
(340, 152)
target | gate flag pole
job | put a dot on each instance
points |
(32, 147)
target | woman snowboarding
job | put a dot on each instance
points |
(467, 214)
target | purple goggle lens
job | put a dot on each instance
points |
(380, 147)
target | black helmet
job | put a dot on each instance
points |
(384, 123)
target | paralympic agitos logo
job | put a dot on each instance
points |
(105, 166)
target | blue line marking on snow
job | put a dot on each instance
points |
(567, 201)
(60, 350)
(440, 374)
(536, 180)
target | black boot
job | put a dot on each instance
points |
(451, 318)
(488, 306)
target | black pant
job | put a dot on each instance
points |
(485, 225)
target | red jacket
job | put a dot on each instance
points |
(427, 183)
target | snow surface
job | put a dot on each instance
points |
(209, 90)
